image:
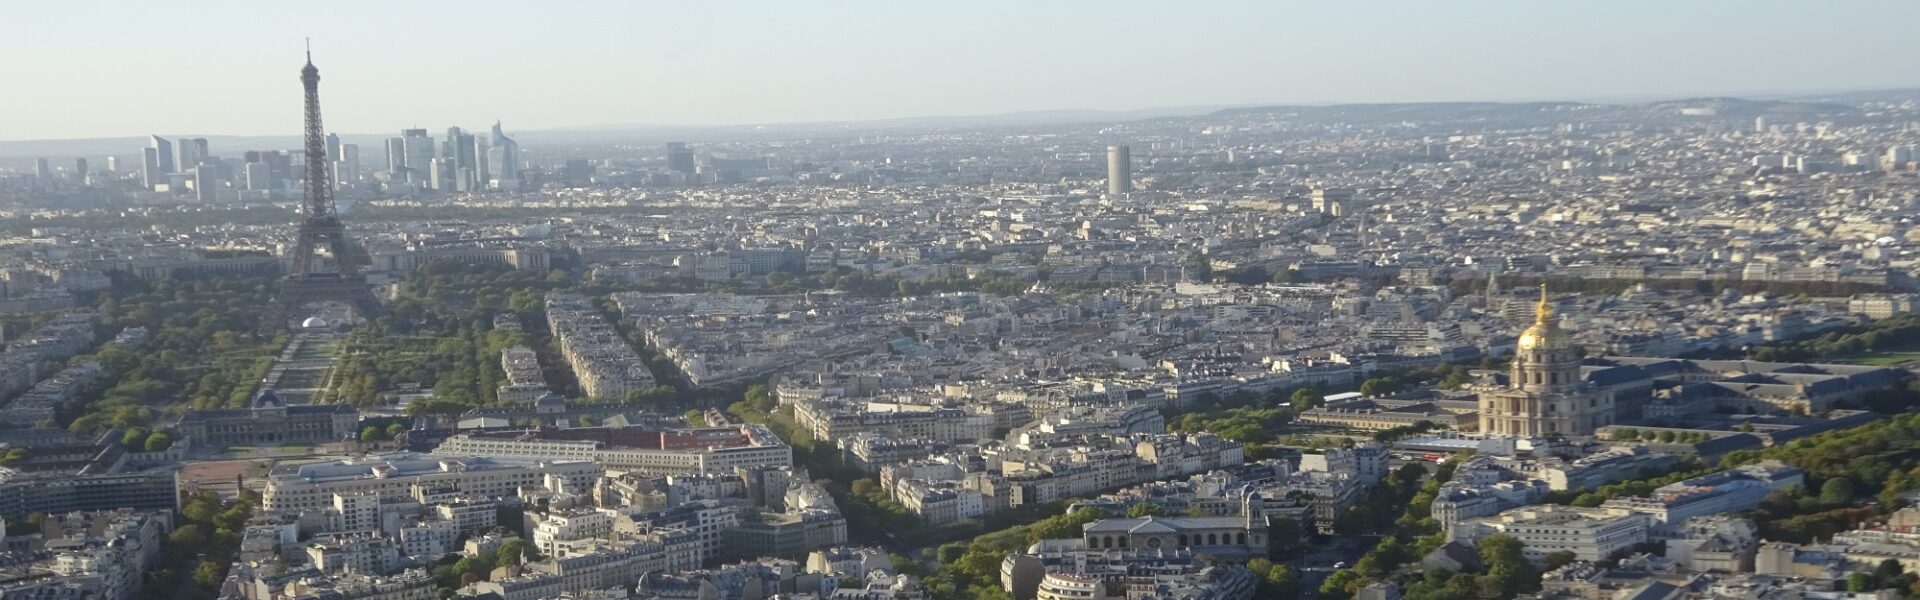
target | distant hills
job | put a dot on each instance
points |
(938, 121)
(1802, 105)
(1401, 110)
(1723, 106)
(1745, 107)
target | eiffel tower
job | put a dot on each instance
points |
(321, 228)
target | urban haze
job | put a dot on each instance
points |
(913, 301)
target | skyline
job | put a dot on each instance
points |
(602, 64)
(637, 300)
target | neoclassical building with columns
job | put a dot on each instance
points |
(1225, 538)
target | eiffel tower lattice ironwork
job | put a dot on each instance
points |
(321, 228)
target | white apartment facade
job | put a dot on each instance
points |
(392, 477)
(1591, 534)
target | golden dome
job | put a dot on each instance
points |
(1545, 334)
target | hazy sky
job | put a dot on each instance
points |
(113, 68)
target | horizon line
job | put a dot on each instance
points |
(1613, 100)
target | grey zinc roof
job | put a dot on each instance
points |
(1161, 524)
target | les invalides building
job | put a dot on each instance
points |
(1544, 394)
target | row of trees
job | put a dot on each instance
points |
(1404, 431)
(1378, 512)
(1708, 287)
(1873, 458)
(872, 515)
(1505, 571)
(1256, 275)
(462, 369)
(673, 390)
(868, 285)
(151, 440)
(1686, 468)
(1897, 333)
(1253, 426)
(373, 433)
(202, 349)
(456, 571)
(1793, 515)
(1629, 434)
(200, 548)
(438, 334)
(1888, 575)
(1277, 580)
(1418, 519)
(1402, 494)
(1256, 420)
(114, 217)
(972, 569)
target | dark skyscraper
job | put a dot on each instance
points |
(503, 160)
(577, 171)
(206, 182)
(1119, 170)
(191, 152)
(474, 177)
(463, 161)
(163, 155)
(150, 173)
(679, 158)
(417, 148)
(397, 157)
(281, 164)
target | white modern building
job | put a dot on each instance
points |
(393, 477)
(1591, 534)
(635, 449)
(1727, 491)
